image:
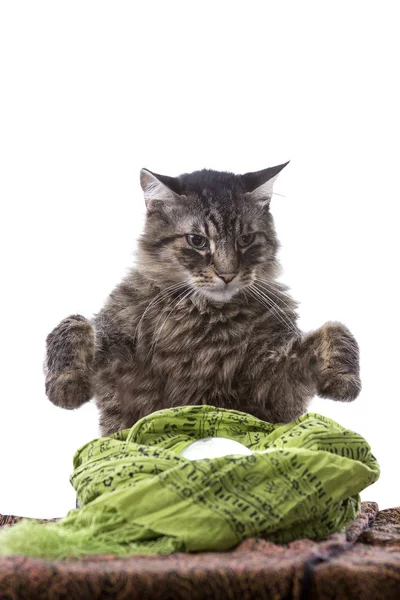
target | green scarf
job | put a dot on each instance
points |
(139, 496)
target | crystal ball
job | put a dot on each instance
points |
(213, 447)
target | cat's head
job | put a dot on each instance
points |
(210, 229)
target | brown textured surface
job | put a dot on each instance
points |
(363, 563)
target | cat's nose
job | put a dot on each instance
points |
(227, 277)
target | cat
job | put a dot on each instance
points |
(201, 318)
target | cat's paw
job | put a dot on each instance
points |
(70, 345)
(68, 362)
(336, 363)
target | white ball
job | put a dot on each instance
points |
(213, 447)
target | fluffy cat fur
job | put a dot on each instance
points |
(201, 318)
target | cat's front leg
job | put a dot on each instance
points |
(334, 358)
(69, 362)
(324, 362)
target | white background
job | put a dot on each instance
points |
(93, 91)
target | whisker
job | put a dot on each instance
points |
(274, 284)
(162, 295)
(267, 284)
(275, 309)
(157, 333)
(291, 326)
(163, 311)
(257, 296)
(278, 308)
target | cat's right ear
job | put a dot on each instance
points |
(154, 189)
(259, 185)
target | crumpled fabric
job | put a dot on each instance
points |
(138, 495)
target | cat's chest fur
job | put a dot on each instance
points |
(198, 354)
(155, 357)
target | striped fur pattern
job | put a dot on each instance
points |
(201, 317)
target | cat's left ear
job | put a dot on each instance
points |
(157, 187)
(259, 185)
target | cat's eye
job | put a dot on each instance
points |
(246, 240)
(197, 241)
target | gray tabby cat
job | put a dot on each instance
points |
(202, 318)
